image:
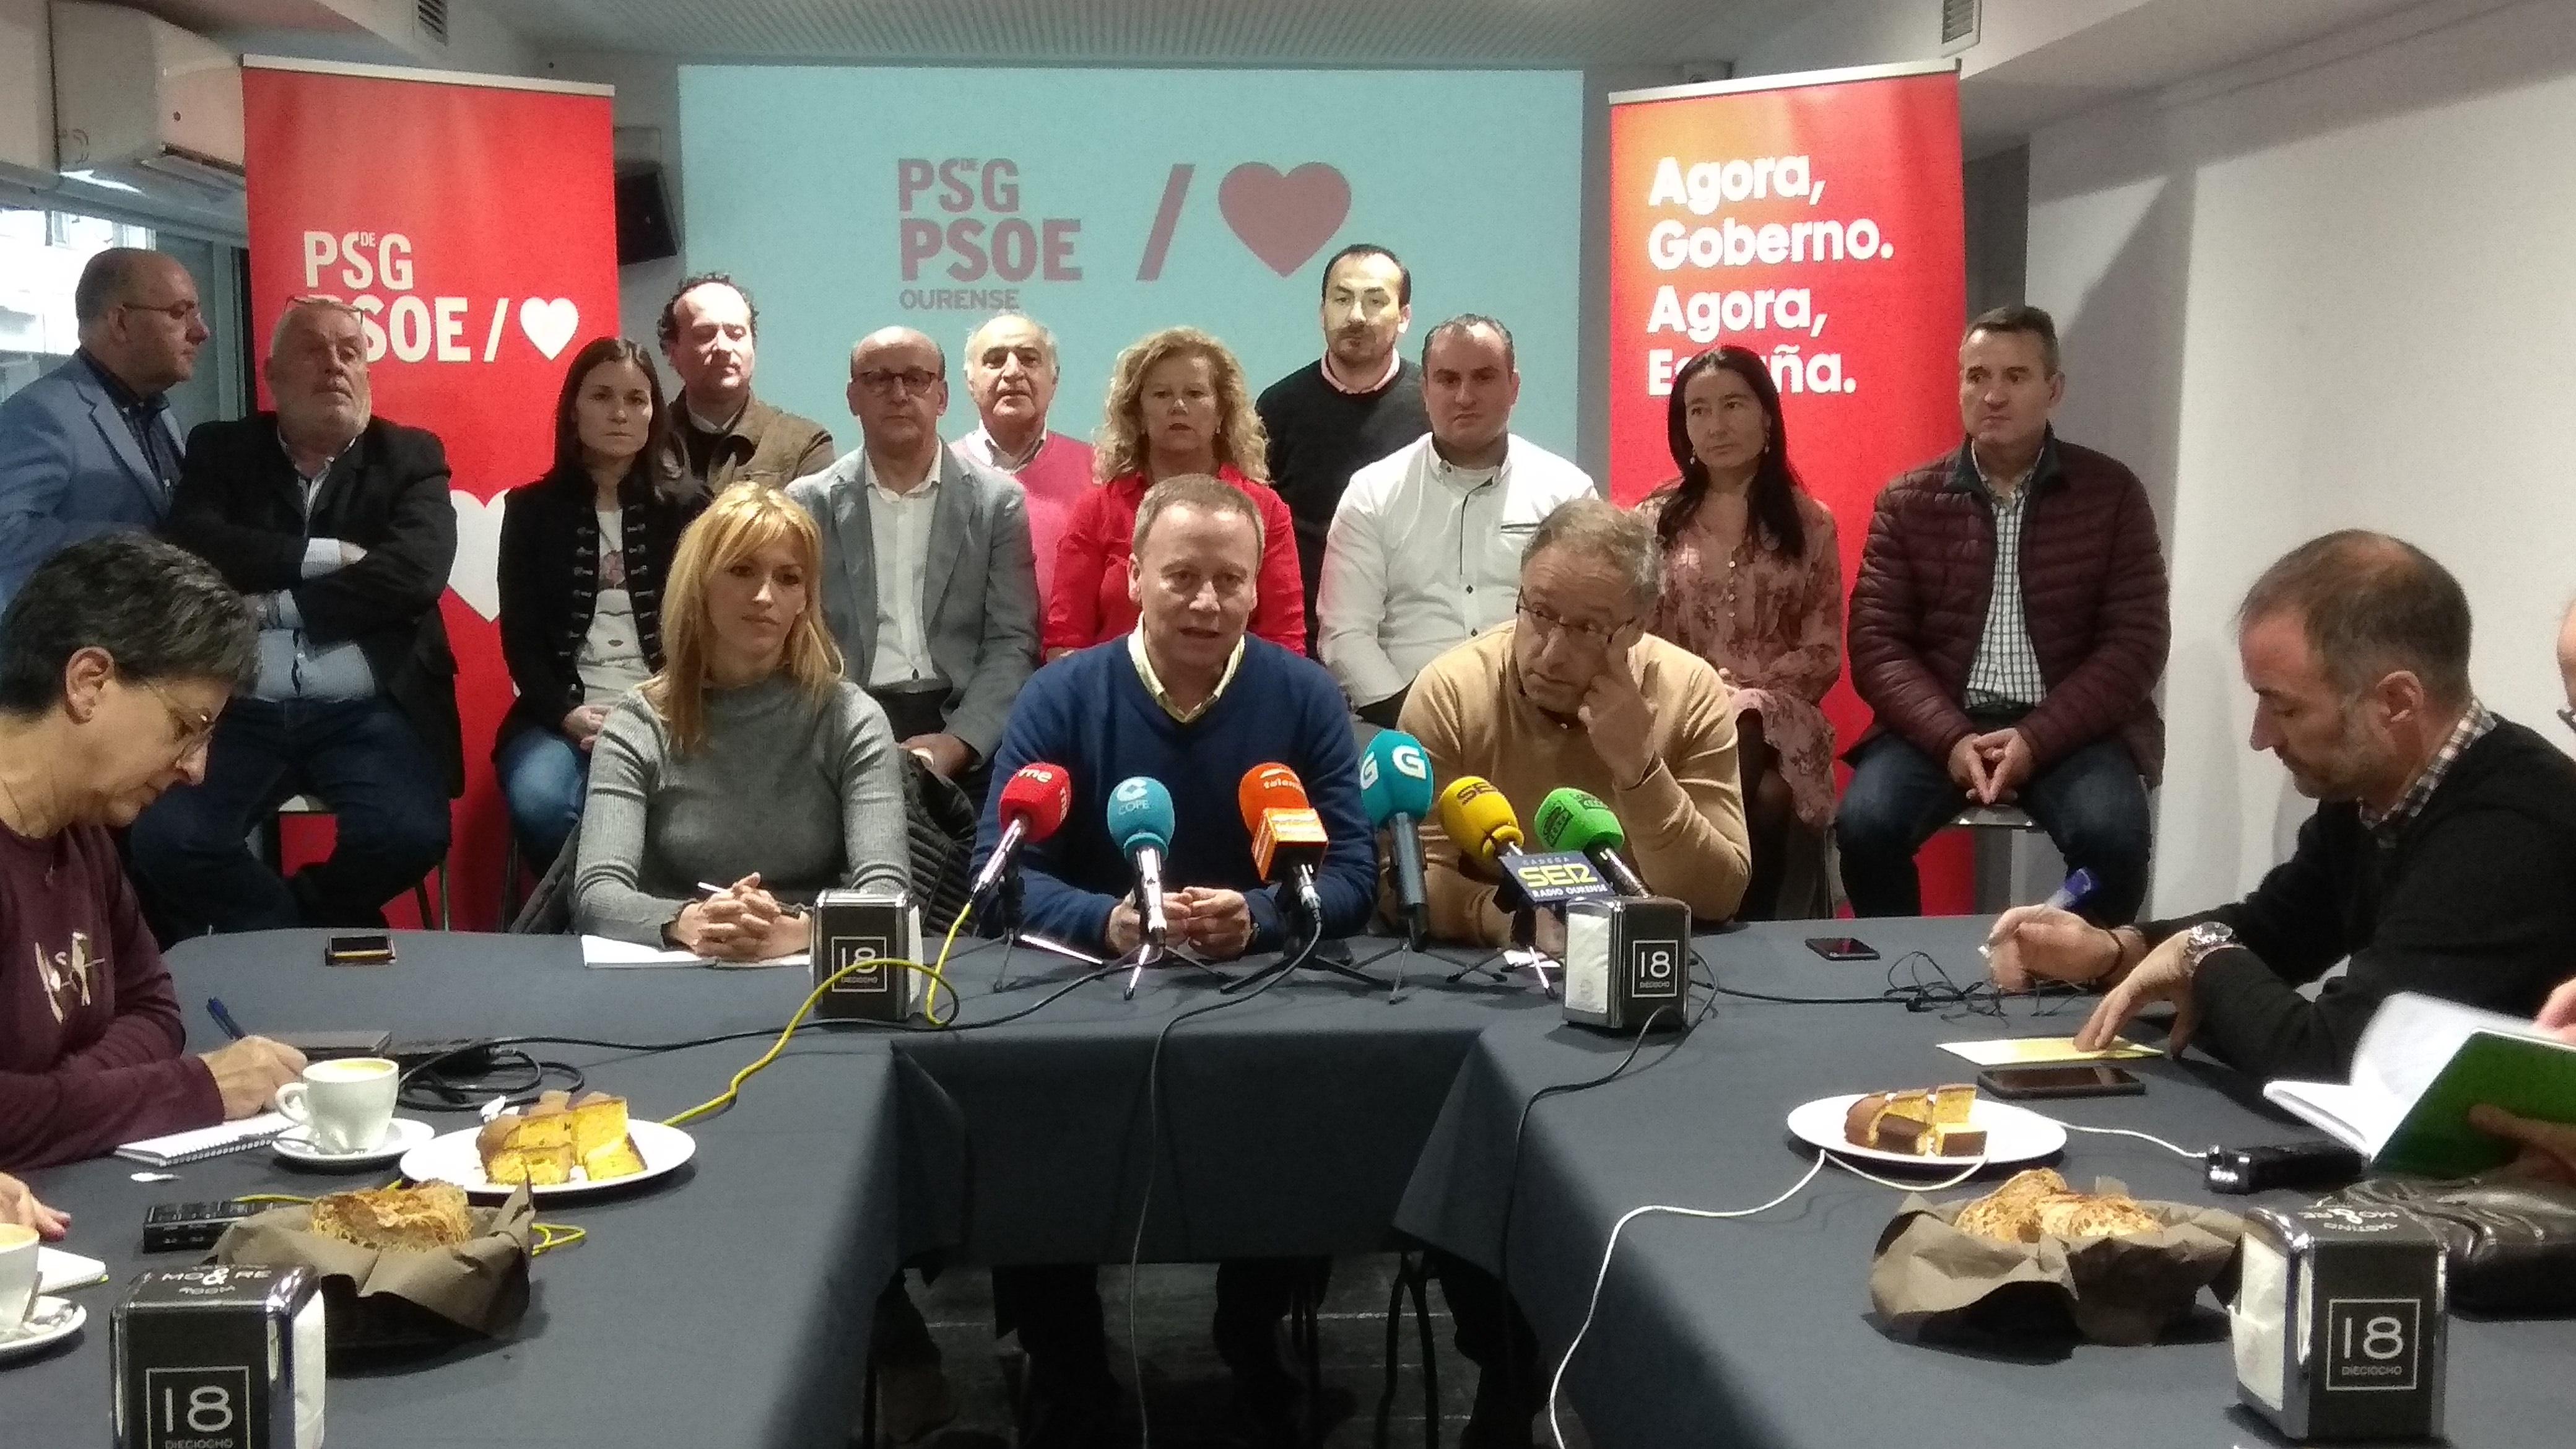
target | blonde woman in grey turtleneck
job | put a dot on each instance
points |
(747, 762)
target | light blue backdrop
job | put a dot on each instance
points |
(794, 180)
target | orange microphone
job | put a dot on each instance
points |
(1288, 837)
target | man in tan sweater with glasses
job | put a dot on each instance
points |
(1574, 692)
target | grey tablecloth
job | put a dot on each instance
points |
(1754, 1332)
(730, 1306)
(727, 1305)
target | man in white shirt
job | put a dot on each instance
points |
(1425, 548)
(928, 582)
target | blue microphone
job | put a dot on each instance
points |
(1140, 821)
(1395, 789)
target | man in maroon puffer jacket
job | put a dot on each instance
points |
(2008, 628)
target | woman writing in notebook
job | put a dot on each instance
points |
(115, 659)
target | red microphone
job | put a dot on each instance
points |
(1288, 837)
(1034, 802)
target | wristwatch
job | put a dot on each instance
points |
(2203, 939)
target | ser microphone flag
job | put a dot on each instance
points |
(1032, 806)
(1480, 820)
(1395, 789)
(1571, 819)
(1140, 821)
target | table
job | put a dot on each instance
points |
(1755, 1331)
(725, 1306)
(1318, 1117)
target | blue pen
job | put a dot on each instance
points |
(223, 1018)
(2066, 897)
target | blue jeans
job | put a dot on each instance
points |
(545, 777)
(2091, 803)
(361, 758)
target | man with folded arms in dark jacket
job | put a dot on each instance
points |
(2437, 861)
(337, 524)
(2008, 628)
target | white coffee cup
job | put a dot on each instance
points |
(18, 1276)
(344, 1105)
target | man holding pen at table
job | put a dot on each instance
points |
(114, 661)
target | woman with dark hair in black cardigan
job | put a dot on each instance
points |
(584, 551)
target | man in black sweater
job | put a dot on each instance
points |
(1359, 402)
(2438, 860)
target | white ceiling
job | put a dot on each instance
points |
(1355, 32)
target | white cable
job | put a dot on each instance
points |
(1557, 1381)
(2126, 1132)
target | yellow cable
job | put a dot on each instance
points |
(939, 982)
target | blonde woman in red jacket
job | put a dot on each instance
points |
(1177, 406)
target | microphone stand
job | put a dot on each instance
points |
(1307, 957)
(1522, 953)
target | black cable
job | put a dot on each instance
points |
(1520, 1131)
(1915, 994)
(1154, 1146)
(411, 1090)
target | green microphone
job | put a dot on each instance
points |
(1571, 819)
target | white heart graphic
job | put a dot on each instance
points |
(476, 574)
(550, 325)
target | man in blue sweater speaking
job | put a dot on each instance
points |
(1190, 700)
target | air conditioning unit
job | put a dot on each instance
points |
(147, 117)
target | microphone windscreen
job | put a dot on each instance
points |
(1395, 777)
(1477, 819)
(1571, 819)
(1266, 788)
(1140, 814)
(1038, 793)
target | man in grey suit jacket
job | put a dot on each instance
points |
(89, 448)
(929, 582)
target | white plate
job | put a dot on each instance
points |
(2012, 1134)
(402, 1134)
(54, 1320)
(452, 1158)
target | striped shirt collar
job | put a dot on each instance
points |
(1965, 475)
(2473, 726)
(1154, 684)
(1333, 380)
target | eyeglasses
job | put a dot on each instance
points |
(182, 313)
(1547, 626)
(912, 379)
(193, 728)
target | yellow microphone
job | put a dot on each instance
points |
(1480, 821)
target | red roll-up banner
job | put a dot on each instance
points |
(1816, 220)
(473, 220)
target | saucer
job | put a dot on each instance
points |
(402, 1134)
(53, 1320)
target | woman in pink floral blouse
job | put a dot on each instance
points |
(1753, 585)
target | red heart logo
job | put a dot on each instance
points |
(1285, 220)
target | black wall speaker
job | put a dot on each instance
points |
(643, 217)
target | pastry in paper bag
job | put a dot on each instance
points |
(402, 1268)
(2034, 1258)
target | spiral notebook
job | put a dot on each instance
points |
(205, 1142)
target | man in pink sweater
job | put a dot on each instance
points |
(1012, 372)
(114, 661)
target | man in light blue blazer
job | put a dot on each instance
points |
(90, 447)
(929, 582)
